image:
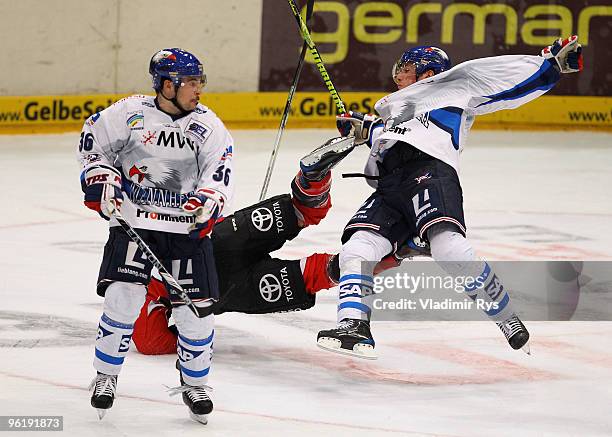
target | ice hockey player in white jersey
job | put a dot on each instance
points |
(166, 161)
(414, 166)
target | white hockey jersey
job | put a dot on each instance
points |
(435, 114)
(162, 160)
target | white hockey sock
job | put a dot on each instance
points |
(122, 305)
(354, 289)
(356, 275)
(492, 298)
(112, 345)
(194, 345)
(455, 255)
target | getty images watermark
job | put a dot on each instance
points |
(31, 423)
(538, 290)
(411, 284)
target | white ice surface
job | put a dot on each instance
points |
(527, 196)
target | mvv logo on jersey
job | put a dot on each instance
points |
(135, 120)
(173, 139)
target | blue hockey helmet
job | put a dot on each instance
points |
(174, 64)
(424, 58)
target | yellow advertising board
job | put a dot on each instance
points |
(48, 114)
(317, 109)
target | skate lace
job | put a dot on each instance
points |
(511, 326)
(104, 385)
(346, 324)
(195, 393)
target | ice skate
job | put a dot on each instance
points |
(351, 337)
(196, 398)
(103, 396)
(516, 333)
(317, 163)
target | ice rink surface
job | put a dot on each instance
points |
(527, 196)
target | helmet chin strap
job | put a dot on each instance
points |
(174, 100)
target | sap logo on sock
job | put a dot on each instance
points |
(124, 344)
(270, 288)
(186, 354)
(362, 290)
(262, 219)
(102, 332)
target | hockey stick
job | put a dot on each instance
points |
(317, 57)
(172, 284)
(279, 134)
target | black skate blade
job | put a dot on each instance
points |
(200, 418)
(526, 349)
(360, 350)
(333, 146)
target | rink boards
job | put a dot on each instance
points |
(263, 110)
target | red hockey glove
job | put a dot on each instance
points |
(566, 54)
(102, 185)
(206, 205)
